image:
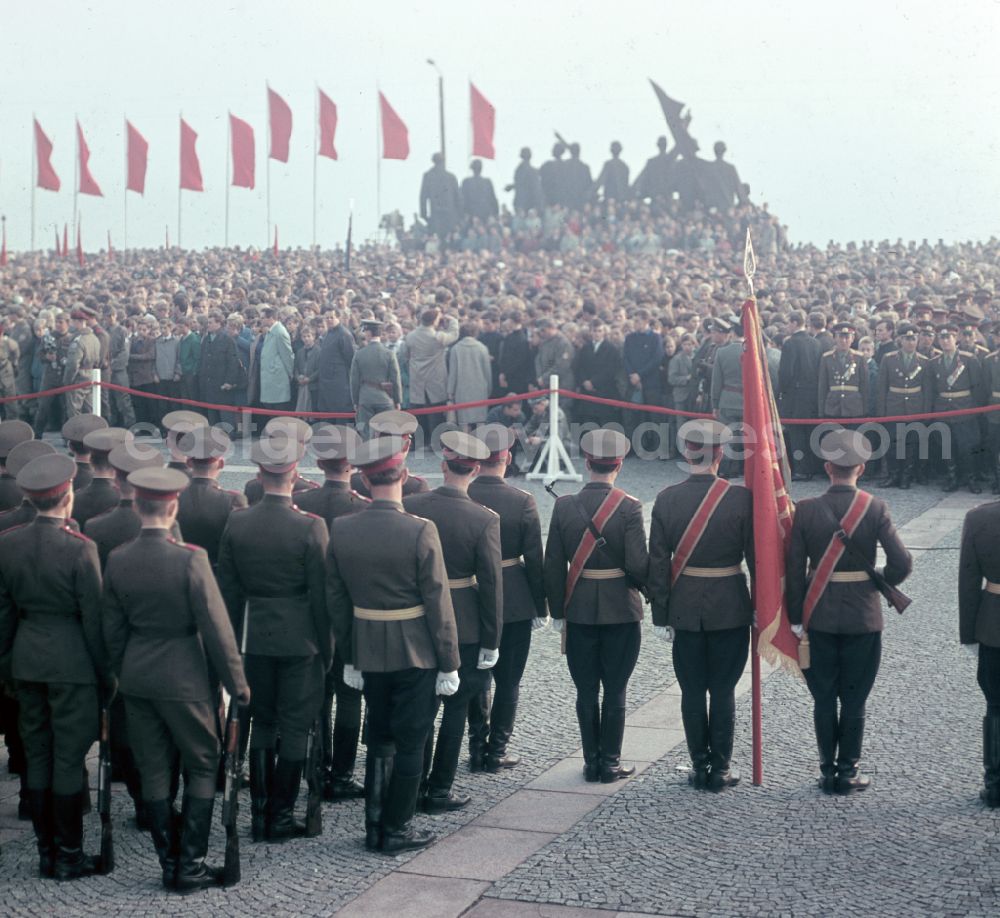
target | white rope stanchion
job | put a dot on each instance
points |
(553, 457)
(95, 392)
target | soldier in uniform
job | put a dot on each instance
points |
(491, 727)
(979, 628)
(52, 356)
(283, 426)
(470, 537)
(51, 644)
(17, 459)
(904, 388)
(925, 340)
(82, 357)
(12, 433)
(797, 375)
(271, 572)
(73, 432)
(704, 360)
(991, 386)
(957, 382)
(176, 424)
(400, 424)
(700, 532)
(838, 606)
(727, 390)
(843, 377)
(333, 445)
(387, 590)
(592, 587)
(375, 383)
(160, 643)
(101, 494)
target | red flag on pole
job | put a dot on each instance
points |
(243, 153)
(483, 120)
(65, 248)
(47, 177)
(395, 137)
(111, 251)
(190, 167)
(327, 125)
(280, 121)
(88, 185)
(79, 247)
(137, 153)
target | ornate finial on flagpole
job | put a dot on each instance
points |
(749, 262)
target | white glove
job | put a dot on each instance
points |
(798, 630)
(353, 678)
(539, 624)
(557, 625)
(447, 683)
(664, 632)
(971, 649)
(487, 658)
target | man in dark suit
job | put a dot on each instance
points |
(700, 532)
(219, 367)
(516, 363)
(842, 617)
(596, 368)
(797, 393)
(490, 728)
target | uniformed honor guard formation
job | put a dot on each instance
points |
(419, 602)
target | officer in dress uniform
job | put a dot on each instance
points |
(979, 627)
(387, 590)
(101, 494)
(727, 389)
(393, 424)
(271, 572)
(333, 445)
(599, 603)
(957, 382)
(50, 642)
(991, 386)
(841, 616)
(470, 537)
(700, 532)
(490, 728)
(160, 643)
(12, 433)
(843, 377)
(82, 357)
(176, 424)
(375, 381)
(17, 459)
(204, 508)
(73, 432)
(904, 388)
(289, 427)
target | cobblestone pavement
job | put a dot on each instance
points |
(653, 847)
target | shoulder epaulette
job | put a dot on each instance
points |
(180, 544)
(76, 534)
(302, 512)
(891, 354)
(832, 350)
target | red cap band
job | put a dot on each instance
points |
(464, 461)
(51, 492)
(390, 462)
(602, 460)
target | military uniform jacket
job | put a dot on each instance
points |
(385, 558)
(797, 375)
(253, 490)
(160, 640)
(843, 608)
(727, 382)
(991, 385)
(978, 610)
(50, 605)
(10, 493)
(375, 377)
(470, 537)
(82, 356)
(701, 603)
(960, 386)
(414, 484)
(334, 499)
(520, 546)
(843, 385)
(203, 512)
(116, 527)
(98, 497)
(271, 566)
(903, 390)
(83, 477)
(596, 602)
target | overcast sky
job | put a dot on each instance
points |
(854, 120)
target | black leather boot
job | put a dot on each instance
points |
(479, 728)
(892, 476)
(589, 719)
(196, 824)
(398, 833)
(721, 727)
(696, 734)
(826, 741)
(166, 838)
(378, 773)
(501, 730)
(970, 476)
(439, 798)
(341, 784)
(990, 794)
(951, 482)
(612, 734)
(906, 476)
(850, 780)
(261, 780)
(40, 802)
(282, 824)
(67, 830)
(24, 811)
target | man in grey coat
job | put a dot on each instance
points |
(276, 363)
(423, 352)
(470, 376)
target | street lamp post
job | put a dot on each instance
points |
(440, 103)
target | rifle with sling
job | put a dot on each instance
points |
(230, 796)
(107, 862)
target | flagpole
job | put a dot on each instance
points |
(34, 178)
(378, 161)
(229, 143)
(315, 154)
(180, 188)
(267, 180)
(76, 172)
(125, 195)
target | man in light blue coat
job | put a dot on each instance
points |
(276, 363)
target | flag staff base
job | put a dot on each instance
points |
(755, 719)
(553, 456)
